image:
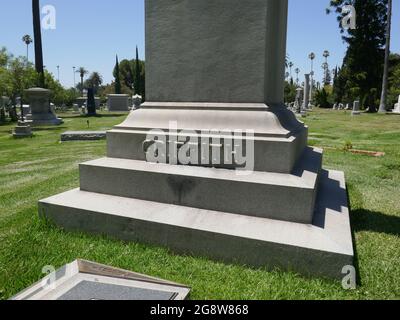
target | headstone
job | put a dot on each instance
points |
(335, 106)
(22, 130)
(356, 108)
(137, 101)
(397, 107)
(177, 176)
(41, 111)
(91, 103)
(88, 281)
(118, 102)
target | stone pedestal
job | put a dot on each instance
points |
(118, 102)
(356, 108)
(41, 111)
(23, 130)
(281, 210)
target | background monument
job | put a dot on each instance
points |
(41, 111)
(287, 213)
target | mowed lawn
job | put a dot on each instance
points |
(32, 169)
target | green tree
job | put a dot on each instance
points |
(358, 77)
(82, 73)
(322, 98)
(385, 88)
(94, 81)
(27, 40)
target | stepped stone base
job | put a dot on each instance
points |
(22, 131)
(288, 197)
(322, 248)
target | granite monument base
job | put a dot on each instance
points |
(23, 130)
(322, 248)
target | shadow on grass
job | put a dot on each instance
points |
(365, 220)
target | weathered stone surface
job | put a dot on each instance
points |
(289, 197)
(23, 130)
(205, 39)
(83, 135)
(118, 102)
(356, 108)
(319, 249)
(41, 111)
(206, 209)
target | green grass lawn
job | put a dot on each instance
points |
(32, 169)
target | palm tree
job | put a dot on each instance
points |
(326, 55)
(82, 72)
(291, 64)
(297, 75)
(383, 104)
(311, 56)
(38, 41)
(27, 40)
(95, 81)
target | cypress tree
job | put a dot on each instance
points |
(117, 78)
(137, 84)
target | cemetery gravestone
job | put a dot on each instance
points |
(397, 107)
(41, 112)
(284, 212)
(356, 108)
(118, 102)
(22, 130)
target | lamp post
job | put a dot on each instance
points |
(74, 70)
(58, 73)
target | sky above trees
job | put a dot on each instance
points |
(90, 33)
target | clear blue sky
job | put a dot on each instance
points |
(90, 33)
